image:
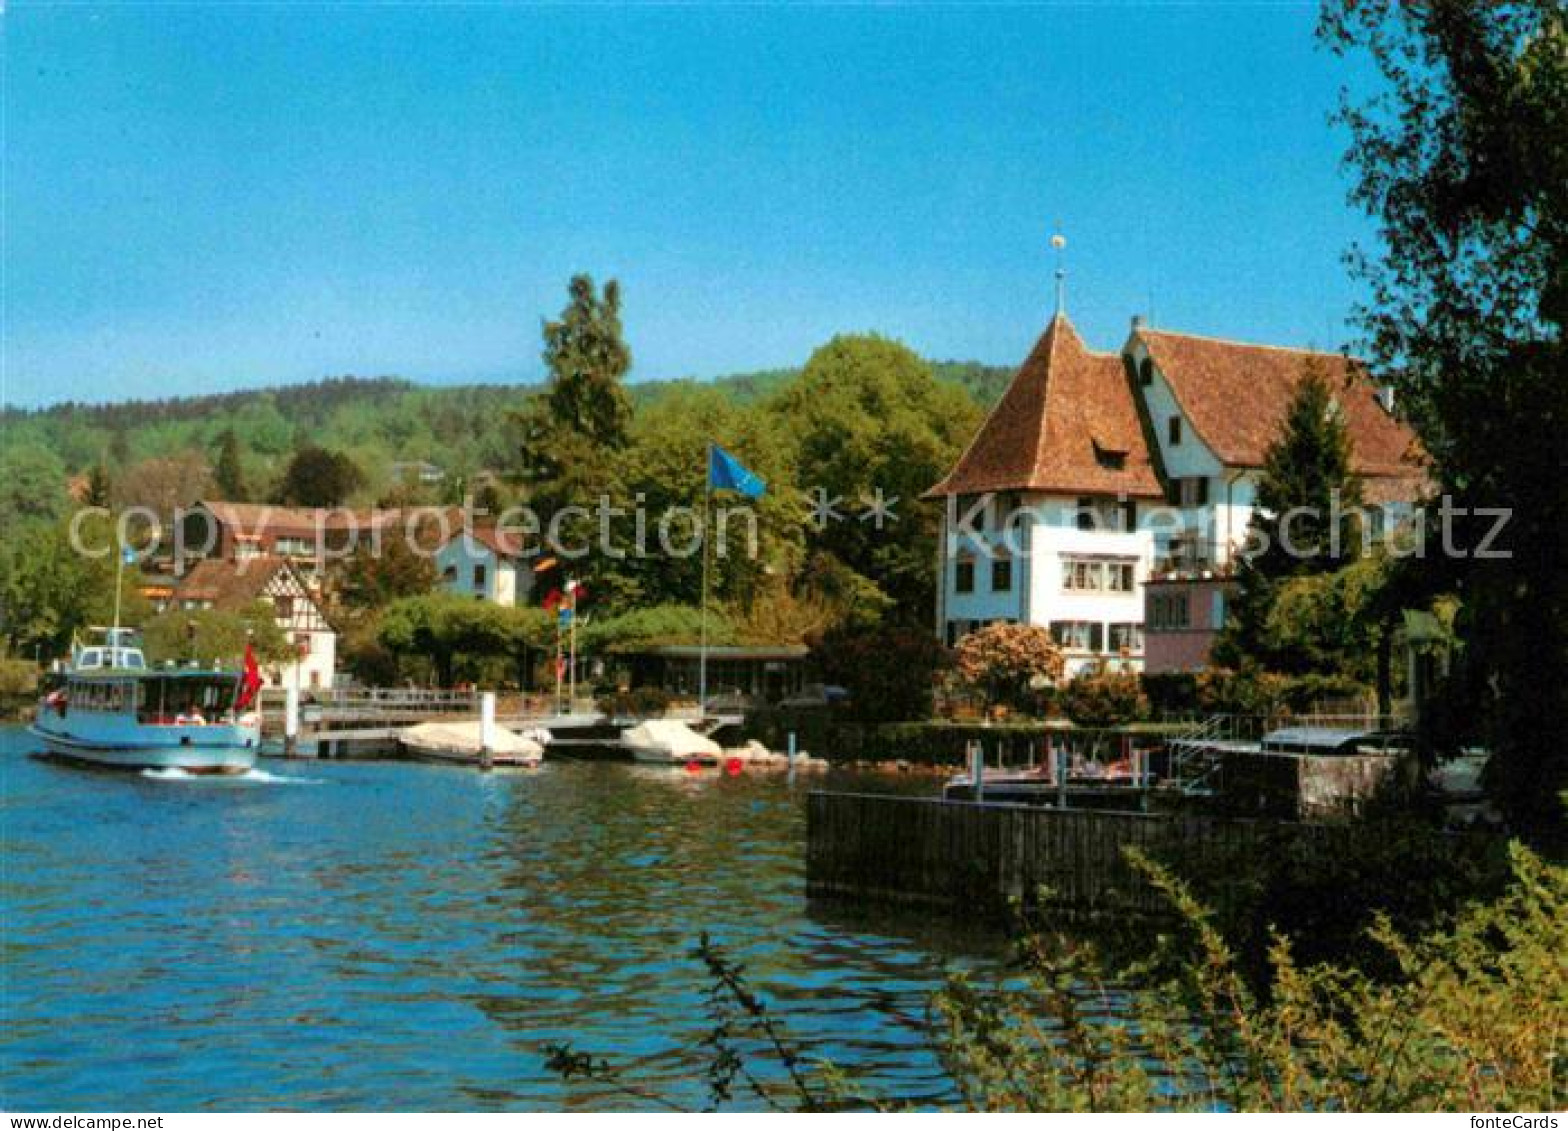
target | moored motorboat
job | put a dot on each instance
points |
(669, 743)
(113, 710)
(463, 742)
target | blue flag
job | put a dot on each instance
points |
(724, 470)
(128, 556)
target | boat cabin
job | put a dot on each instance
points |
(117, 649)
(165, 699)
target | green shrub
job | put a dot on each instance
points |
(890, 673)
(1104, 699)
(638, 703)
(1470, 1019)
(1171, 693)
(18, 678)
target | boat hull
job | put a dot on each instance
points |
(662, 756)
(220, 750)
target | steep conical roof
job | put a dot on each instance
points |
(1067, 423)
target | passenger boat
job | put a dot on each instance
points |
(113, 710)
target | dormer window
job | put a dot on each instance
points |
(1173, 430)
(1146, 372)
(1110, 458)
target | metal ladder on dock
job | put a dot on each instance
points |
(1195, 756)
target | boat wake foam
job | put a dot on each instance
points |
(258, 777)
(263, 777)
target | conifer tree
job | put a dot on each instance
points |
(98, 486)
(229, 473)
(1304, 520)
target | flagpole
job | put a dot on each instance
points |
(702, 652)
(571, 629)
(119, 587)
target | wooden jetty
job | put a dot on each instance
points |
(367, 723)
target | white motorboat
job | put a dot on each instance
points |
(462, 742)
(670, 743)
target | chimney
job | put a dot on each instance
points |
(1137, 323)
(1385, 397)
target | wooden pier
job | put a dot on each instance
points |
(976, 857)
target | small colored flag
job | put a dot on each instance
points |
(128, 556)
(565, 615)
(551, 600)
(724, 470)
(250, 681)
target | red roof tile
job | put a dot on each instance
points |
(1236, 396)
(1067, 423)
(228, 584)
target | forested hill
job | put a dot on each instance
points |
(461, 427)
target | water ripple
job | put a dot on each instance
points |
(410, 937)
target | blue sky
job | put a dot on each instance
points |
(204, 197)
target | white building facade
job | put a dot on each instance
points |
(1096, 473)
(482, 564)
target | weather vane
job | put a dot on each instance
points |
(1059, 242)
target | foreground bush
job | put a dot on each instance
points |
(1475, 1019)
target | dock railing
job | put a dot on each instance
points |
(1196, 753)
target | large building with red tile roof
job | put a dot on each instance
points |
(474, 557)
(1098, 472)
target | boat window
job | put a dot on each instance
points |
(164, 701)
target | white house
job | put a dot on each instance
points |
(218, 583)
(1096, 472)
(485, 563)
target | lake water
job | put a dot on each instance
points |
(384, 935)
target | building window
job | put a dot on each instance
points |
(479, 577)
(284, 604)
(1126, 639)
(1105, 514)
(1173, 429)
(295, 547)
(1078, 635)
(449, 574)
(1191, 491)
(1146, 372)
(964, 576)
(1079, 576)
(1169, 611)
(1002, 575)
(1082, 575)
